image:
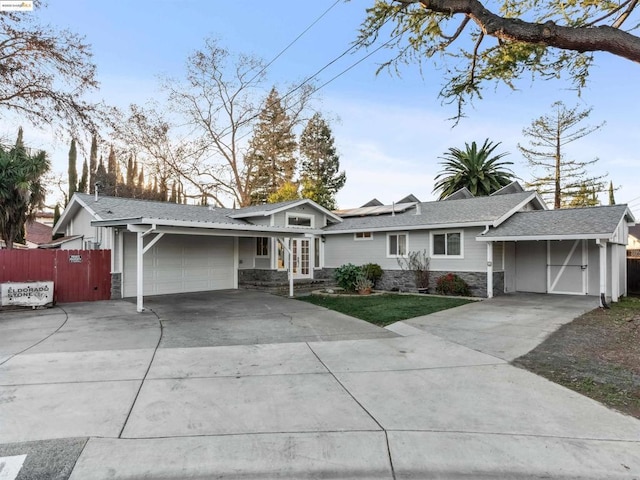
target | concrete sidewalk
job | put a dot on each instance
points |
(384, 407)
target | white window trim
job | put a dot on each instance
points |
(445, 232)
(301, 215)
(394, 234)
(362, 239)
(268, 254)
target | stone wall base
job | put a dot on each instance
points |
(116, 286)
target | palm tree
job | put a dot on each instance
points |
(21, 189)
(473, 168)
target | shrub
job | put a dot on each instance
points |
(418, 263)
(452, 284)
(347, 275)
(363, 283)
(372, 272)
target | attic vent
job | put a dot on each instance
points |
(109, 211)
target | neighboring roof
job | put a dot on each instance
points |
(635, 231)
(38, 233)
(443, 214)
(411, 198)
(374, 202)
(58, 242)
(377, 210)
(589, 222)
(513, 187)
(460, 194)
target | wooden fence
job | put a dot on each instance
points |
(77, 275)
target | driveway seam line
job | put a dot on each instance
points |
(66, 315)
(153, 356)
(386, 436)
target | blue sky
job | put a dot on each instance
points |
(389, 130)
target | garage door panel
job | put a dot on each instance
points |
(567, 267)
(180, 264)
(531, 267)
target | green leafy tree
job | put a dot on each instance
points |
(584, 197)
(288, 191)
(72, 170)
(22, 191)
(558, 178)
(480, 42)
(272, 150)
(477, 169)
(320, 163)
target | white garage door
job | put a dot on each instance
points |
(180, 264)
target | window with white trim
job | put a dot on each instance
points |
(262, 246)
(363, 236)
(397, 244)
(446, 244)
(299, 220)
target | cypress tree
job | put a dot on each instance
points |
(93, 163)
(84, 179)
(612, 200)
(72, 170)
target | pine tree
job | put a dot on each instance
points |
(84, 179)
(72, 170)
(271, 150)
(93, 163)
(562, 178)
(174, 194)
(131, 174)
(320, 167)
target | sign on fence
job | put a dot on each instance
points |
(32, 294)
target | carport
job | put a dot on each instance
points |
(194, 255)
(570, 251)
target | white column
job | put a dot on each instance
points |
(489, 269)
(602, 244)
(291, 267)
(615, 273)
(139, 271)
(236, 260)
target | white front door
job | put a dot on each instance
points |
(301, 258)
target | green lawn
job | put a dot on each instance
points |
(385, 309)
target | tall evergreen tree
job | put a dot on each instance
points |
(612, 199)
(131, 173)
(271, 150)
(561, 178)
(93, 163)
(102, 179)
(84, 179)
(111, 180)
(321, 178)
(72, 170)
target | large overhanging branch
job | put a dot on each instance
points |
(581, 39)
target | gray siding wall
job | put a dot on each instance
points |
(343, 248)
(593, 269)
(319, 221)
(247, 258)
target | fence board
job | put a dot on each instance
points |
(633, 275)
(78, 275)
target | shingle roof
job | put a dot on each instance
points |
(476, 210)
(38, 232)
(114, 208)
(267, 207)
(592, 221)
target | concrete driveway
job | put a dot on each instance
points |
(507, 326)
(102, 392)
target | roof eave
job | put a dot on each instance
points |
(266, 213)
(396, 228)
(522, 238)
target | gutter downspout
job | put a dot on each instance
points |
(489, 265)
